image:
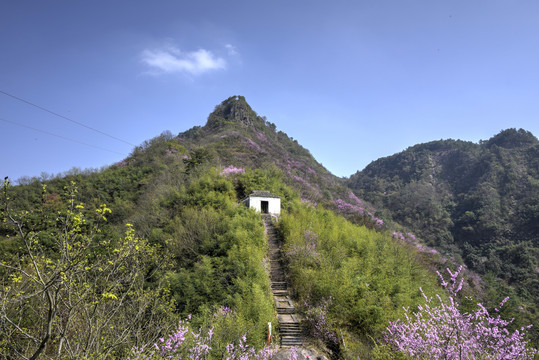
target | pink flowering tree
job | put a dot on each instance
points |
(439, 330)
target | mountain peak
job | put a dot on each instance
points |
(234, 110)
(512, 138)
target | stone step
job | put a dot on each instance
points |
(286, 311)
(278, 285)
(298, 335)
(290, 333)
(290, 326)
(292, 341)
(295, 334)
(282, 328)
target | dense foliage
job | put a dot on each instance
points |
(478, 203)
(106, 292)
(351, 280)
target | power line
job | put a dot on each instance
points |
(65, 117)
(59, 136)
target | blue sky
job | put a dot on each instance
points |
(352, 81)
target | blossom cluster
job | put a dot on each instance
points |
(223, 311)
(304, 182)
(232, 170)
(253, 144)
(442, 331)
(309, 202)
(307, 250)
(317, 321)
(354, 198)
(261, 137)
(411, 239)
(187, 344)
(242, 351)
(348, 208)
(343, 206)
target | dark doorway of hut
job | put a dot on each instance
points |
(264, 206)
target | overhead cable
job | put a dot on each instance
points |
(59, 136)
(65, 117)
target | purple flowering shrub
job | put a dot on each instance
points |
(305, 253)
(318, 324)
(232, 170)
(441, 331)
(351, 210)
(186, 343)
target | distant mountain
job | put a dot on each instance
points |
(478, 202)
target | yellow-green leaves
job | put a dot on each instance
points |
(102, 211)
(109, 295)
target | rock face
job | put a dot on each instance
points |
(235, 109)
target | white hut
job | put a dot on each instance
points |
(264, 202)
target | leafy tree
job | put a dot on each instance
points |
(72, 290)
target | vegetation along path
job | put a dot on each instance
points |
(289, 323)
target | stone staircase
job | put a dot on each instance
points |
(289, 323)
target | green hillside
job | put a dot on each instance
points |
(477, 203)
(95, 264)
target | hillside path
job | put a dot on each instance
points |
(289, 322)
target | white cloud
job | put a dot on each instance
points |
(172, 60)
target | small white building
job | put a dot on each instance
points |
(264, 202)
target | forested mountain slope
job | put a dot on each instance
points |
(96, 263)
(103, 264)
(475, 202)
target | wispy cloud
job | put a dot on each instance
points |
(172, 60)
(232, 51)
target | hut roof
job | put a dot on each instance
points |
(263, 193)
